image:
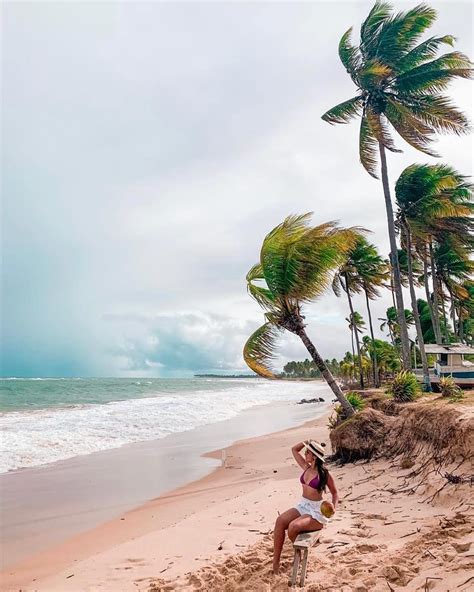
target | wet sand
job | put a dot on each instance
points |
(43, 506)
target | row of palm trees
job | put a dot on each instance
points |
(399, 84)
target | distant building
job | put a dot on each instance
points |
(450, 361)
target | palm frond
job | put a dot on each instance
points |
(373, 73)
(436, 75)
(370, 28)
(380, 129)
(422, 52)
(259, 350)
(336, 284)
(411, 129)
(323, 249)
(349, 55)
(280, 268)
(400, 32)
(368, 147)
(345, 111)
(437, 112)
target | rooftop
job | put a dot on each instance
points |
(448, 348)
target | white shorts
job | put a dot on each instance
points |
(306, 506)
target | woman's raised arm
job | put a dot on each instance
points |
(296, 450)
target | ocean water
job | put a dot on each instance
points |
(46, 420)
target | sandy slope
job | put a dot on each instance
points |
(215, 534)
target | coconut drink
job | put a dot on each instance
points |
(327, 509)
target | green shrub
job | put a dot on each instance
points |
(449, 388)
(404, 386)
(355, 400)
(357, 403)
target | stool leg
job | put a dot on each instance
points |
(304, 566)
(296, 562)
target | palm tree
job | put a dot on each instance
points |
(434, 207)
(426, 321)
(347, 279)
(399, 82)
(372, 272)
(356, 325)
(453, 267)
(391, 323)
(296, 266)
(351, 329)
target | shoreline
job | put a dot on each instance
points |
(106, 543)
(216, 533)
(43, 506)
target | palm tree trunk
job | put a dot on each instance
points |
(328, 377)
(392, 288)
(453, 312)
(445, 319)
(436, 329)
(461, 325)
(361, 372)
(353, 352)
(374, 352)
(437, 324)
(414, 306)
(394, 260)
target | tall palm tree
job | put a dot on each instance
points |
(434, 206)
(399, 82)
(296, 265)
(347, 279)
(350, 325)
(373, 273)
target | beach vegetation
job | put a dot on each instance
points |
(448, 388)
(400, 80)
(357, 404)
(404, 387)
(297, 264)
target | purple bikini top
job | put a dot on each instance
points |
(314, 483)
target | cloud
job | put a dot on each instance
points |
(183, 343)
(148, 149)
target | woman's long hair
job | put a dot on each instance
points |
(323, 475)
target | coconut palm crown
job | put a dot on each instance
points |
(297, 263)
(399, 82)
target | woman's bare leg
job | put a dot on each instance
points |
(303, 523)
(281, 525)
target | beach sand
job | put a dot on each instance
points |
(215, 533)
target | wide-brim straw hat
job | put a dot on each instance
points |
(316, 449)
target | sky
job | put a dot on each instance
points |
(148, 148)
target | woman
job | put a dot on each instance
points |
(306, 515)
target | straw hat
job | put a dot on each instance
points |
(316, 448)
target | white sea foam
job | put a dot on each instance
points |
(38, 437)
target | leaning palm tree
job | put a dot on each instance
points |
(399, 82)
(296, 265)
